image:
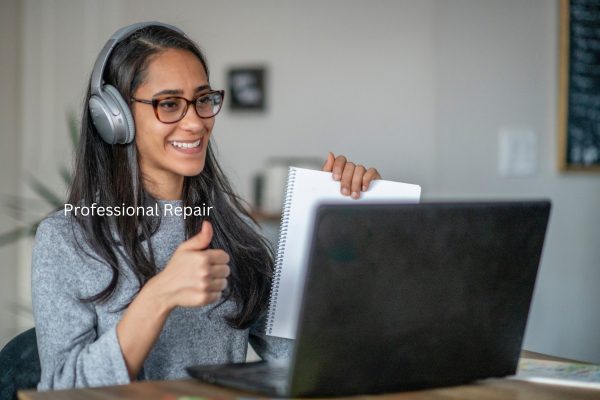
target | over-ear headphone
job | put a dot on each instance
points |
(109, 111)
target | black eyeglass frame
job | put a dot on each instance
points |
(154, 104)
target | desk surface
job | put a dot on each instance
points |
(491, 389)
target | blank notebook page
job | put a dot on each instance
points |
(305, 189)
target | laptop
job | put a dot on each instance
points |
(404, 297)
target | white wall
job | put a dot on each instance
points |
(344, 76)
(418, 89)
(496, 66)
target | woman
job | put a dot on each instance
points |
(124, 297)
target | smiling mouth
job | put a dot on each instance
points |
(186, 145)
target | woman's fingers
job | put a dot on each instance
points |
(213, 278)
(357, 181)
(216, 256)
(338, 167)
(353, 179)
(218, 285)
(212, 285)
(220, 271)
(328, 165)
(347, 175)
(368, 177)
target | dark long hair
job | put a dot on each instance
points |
(109, 175)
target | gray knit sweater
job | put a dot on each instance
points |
(77, 341)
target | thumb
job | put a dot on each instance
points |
(328, 166)
(201, 240)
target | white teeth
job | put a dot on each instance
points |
(185, 145)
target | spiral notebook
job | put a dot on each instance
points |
(304, 190)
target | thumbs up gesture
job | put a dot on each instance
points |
(195, 276)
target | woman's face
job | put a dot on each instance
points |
(168, 152)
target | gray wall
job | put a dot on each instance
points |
(9, 161)
(496, 65)
(418, 89)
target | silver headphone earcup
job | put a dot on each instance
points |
(102, 118)
(111, 116)
(124, 125)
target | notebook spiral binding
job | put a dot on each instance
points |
(285, 213)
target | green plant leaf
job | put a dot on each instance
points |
(73, 129)
(19, 207)
(66, 175)
(18, 233)
(45, 192)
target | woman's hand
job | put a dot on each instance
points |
(195, 276)
(354, 178)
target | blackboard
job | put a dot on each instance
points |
(579, 85)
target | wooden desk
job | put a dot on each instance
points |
(491, 389)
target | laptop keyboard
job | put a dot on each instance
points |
(257, 373)
(270, 378)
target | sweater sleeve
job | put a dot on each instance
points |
(72, 354)
(269, 347)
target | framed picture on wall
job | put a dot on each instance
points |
(246, 88)
(579, 86)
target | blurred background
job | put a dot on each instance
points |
(459, 96)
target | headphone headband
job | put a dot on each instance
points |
(118, 36)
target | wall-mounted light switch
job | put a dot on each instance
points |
(517, 152)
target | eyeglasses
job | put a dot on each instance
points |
(172, 109)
